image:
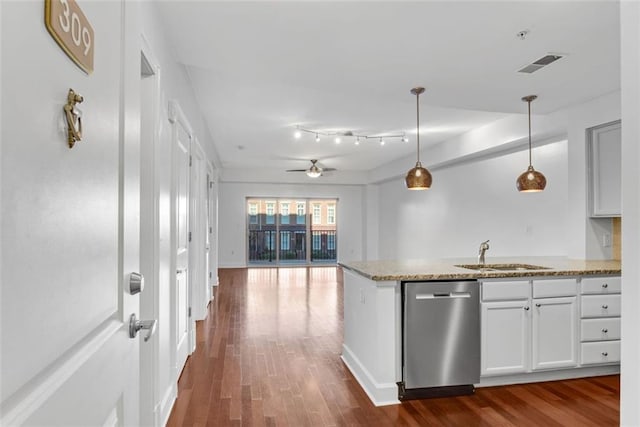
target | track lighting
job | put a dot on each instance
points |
(359, 137)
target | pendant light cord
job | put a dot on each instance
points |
(418, 124)
(529, 104)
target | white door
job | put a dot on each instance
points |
(505, 337)
(181, 295)
(555, 333)
(70, 223)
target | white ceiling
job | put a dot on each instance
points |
(258, 69)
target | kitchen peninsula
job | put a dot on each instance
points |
(541, 318)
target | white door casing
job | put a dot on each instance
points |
(70, 223)
(180, 293)
(198, 228)
(151, 302)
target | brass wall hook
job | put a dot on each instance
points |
(74, 117)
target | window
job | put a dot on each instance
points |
(271, 211)
(316, 214)
(300, 208)
(269, 240)
(253, 213)
(331, 241)
(285, 240)
(331, 214)
(316, 242)
(284, 212)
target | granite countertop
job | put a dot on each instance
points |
(445, 269)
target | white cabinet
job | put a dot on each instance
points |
(555, 332)
(600, 320)
(505, 337)
(526, 333)
(604, 158)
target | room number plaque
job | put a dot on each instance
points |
(71, 30)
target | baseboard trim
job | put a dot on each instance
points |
(381, 394)
(556, 375)
(163, 411)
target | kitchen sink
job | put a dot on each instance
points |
(502, 267)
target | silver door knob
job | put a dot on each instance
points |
(135, 325)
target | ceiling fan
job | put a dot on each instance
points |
(314, 171)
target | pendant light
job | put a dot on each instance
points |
(530, 181)
(418, 178)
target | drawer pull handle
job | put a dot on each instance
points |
(605, 306)
(605, 330)
(526, 307)
(605, 285)
(538, 304)
(605, 354)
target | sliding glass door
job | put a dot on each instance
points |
(291, 231)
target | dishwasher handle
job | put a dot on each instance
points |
(443, 295)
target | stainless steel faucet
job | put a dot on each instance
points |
(484, 246)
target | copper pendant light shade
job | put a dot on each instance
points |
(530, 181)
(418, 178)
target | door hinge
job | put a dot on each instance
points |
(210, 230)
(189, 311)
(190, 160)
(210, 184)
(210, 275)
(189, 236)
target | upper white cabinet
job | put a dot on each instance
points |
(604, 157)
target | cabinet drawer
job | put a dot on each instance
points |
(601, 285)
(600, 352)
(600, 305)
(600, 329)
(554, 288)
(504, 291)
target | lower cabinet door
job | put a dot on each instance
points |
(555, 333)
(505, 337)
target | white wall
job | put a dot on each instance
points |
(476, 201)
(630, 352)
(233, 225)
(156, 300)
(174, 80)
(584, 232)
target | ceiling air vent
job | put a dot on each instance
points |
(542, 62)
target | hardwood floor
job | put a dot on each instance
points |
(269, 354)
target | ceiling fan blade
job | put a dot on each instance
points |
(329, 169)
(296, 170)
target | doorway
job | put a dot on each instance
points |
(291, 231)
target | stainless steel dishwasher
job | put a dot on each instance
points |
(441, 339)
